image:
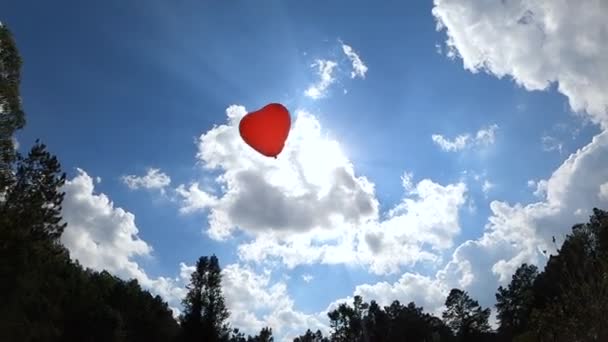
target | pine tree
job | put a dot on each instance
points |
(309, 336)
(465, 316)
(514, 303)
(265, 335)
(205, 313)
(12, 117)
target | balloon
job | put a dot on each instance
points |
(267, 129)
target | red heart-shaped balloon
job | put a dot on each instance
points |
(267, 129)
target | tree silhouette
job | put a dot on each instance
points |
(265, 335)
(514, 303)
(571, 294)
(465, 316)
(205, 313)
(309, 336)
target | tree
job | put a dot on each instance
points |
(12, 117)
(309, 336)
(265, 335)
(571, 294)
(31, 257)
(514, 303)
(205, 312)
(465, 316)
(347, 322)
(370, 322)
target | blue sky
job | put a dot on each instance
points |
(118, 88)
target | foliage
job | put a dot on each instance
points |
(205, 312)
(370, 322)
(465, 316)
(514, 303)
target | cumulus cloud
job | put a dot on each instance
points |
(98, 234)
(255, 302)
(484, 137)
(520, 233)
(541, 189)
(424, 291)
(104, 237)
(325, 70)
(153, 179)
(536, 43)
(311, 185)
(194, 199)
(515, 233)
(309, 205)
(359, 68)
(424, 223)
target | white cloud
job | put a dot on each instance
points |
(98, 234)
(457, 144)
(514, 234)
(307, 278)
(541, 188)
(309, 206)
(101, 236)
(359, 68)
(325, 70)
(550, 143)
(254, 302)
(519, 233)
(428, 217)
(407, 181)
(154, 179)
(193, 198)
(487, 186)
(311, 185)
(484, 137)
(424, 291)
(536, 43)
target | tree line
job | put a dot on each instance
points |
(46, 296)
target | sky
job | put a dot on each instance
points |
(433, 144)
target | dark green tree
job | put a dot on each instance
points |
(309, 336)
(31, 257)
(465, 316)
(12, 117)
(265, 335)
(514, 303)
(205, 313)
(397, 322)
(346, 322)
(571, 294)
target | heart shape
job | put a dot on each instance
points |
(266, 130)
